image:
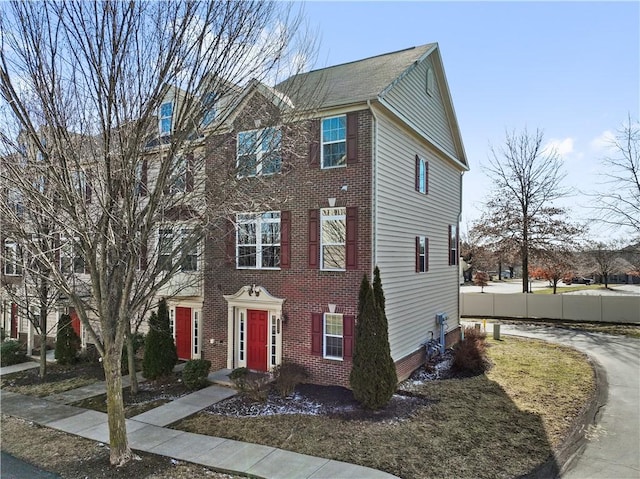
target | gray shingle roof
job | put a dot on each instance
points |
(352, 82)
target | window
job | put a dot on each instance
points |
(12, 261)
(241, 336)
(258, 240)
(80, 185)
(166, 118)
(15, 202)
(422, 254)
(179, 177)
(259, 152)
(71, 259)
(453, 245)
(430, 82)
(334, 141)
(209, 106)
(422, 175)
(165, 248)
(333, 235)
(333, 332)
(168, 247)
(189, 260)
(196, 332)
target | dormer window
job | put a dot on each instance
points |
(166, 118)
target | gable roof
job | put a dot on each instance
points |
(352, 82)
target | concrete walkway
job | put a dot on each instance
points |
(612, 445)
(146, 433)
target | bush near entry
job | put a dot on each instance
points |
(195, 373)
(160, 356)
(68, 342)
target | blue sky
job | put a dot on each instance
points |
(571, 69)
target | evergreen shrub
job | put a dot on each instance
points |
(160, 356)
(68, 342)
(195, 373)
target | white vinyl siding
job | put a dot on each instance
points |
(425, 111)
(412, 300)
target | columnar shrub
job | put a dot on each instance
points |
(160, 356)
(68, 342)
(287, 376)
(470, 354)
(195, 373)
(373, 376)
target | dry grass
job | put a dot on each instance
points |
(498, 425)
(73, 457)
(46, 388)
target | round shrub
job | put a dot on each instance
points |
(12, 352)
(195, 373)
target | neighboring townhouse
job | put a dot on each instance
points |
(371, 175)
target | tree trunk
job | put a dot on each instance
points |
(43, 353)
(118, 443)
(131, 363)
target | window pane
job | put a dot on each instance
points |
(166, 109)
(333, 257)
(247, 233)
(333, 347)
(271, 257)
(333, 324)
(334, 231)
(334, 154)
(247, 256)
(270, 233)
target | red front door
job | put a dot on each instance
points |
(75, 321)
(257, 340)
(183, 332)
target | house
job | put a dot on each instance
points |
(365, 168)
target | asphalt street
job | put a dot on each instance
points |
(13, 468)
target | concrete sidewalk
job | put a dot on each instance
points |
(145, 433)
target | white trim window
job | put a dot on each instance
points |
(71, 260)
(259, 152)
(333, 332)
(12, 262)
(430, 81)
(334, 142)
(333, 238)
(165, 118)
(187, 249)
(258, 240)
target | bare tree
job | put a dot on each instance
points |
(84, 88)
(619, 203)
(520, 214)
(605, 259)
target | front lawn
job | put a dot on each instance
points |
(499, 425)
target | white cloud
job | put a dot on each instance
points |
(604, 141)
(561, 147)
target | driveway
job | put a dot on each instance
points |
(612, 446)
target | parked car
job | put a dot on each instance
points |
(578, 280)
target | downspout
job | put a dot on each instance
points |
(374, 193)
(458, 280)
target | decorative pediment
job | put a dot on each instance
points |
(255, 296)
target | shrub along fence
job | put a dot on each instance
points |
(591, 308)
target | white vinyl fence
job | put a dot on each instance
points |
(610, 309)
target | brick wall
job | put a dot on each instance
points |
(303, 187)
